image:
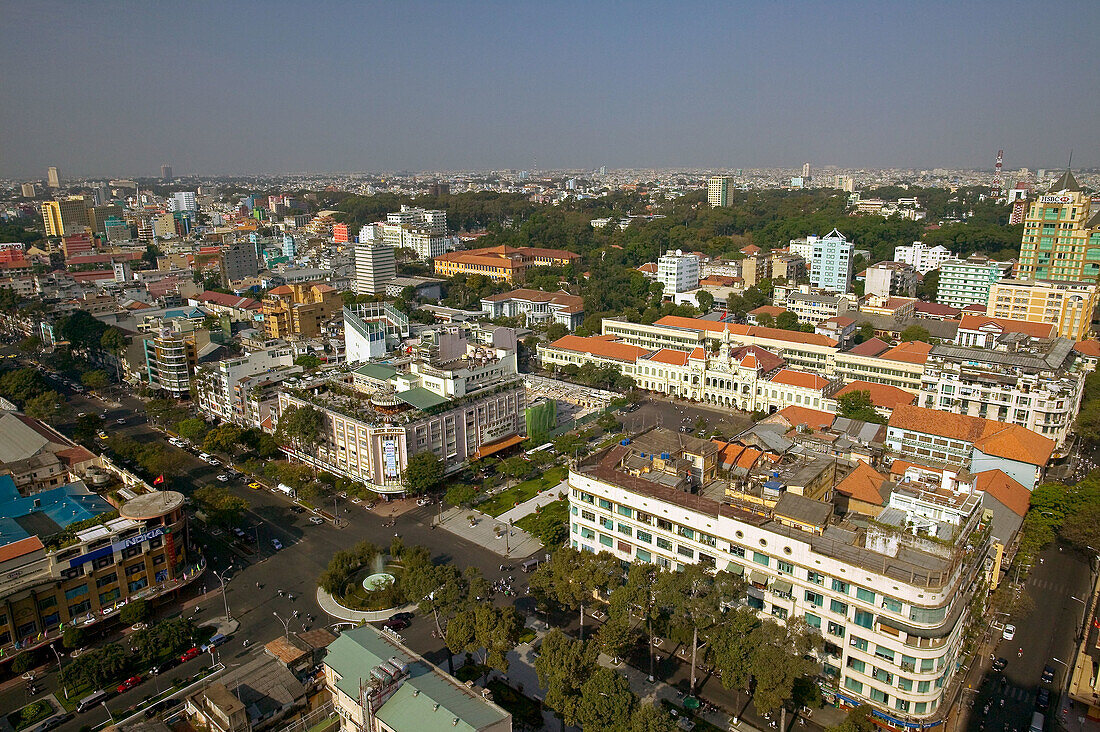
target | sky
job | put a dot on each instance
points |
(220, 88)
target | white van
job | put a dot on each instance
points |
(92, 699)
(284, 488)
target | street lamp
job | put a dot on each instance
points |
(286, 625)
(53, 647)
(221, 579)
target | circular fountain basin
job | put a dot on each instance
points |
(377, 581)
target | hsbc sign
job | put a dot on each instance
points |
(1056, 199)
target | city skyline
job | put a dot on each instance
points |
(422, 87)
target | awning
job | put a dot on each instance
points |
(782, 587)
(736, 569)
(491, 447)
(758, 578)
(754, 592)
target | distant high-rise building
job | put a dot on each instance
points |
(375, 265)
(166, 172)
(239, 261)
(340, 234)
(718, 191)
(28, 190)
(440, 189)
(184, 201)
(53, 177)
(1061, 239)
(421, 230)
(65, 216)
(603, 170)
(831, 263)
(845, 183)
(806, 172)
(102, 194)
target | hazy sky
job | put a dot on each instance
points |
(117, 88)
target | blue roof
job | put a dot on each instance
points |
(24, 516)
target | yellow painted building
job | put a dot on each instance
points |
(1061, 239)
(299, 310)
(66, 216)
(1066, 305)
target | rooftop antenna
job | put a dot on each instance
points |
(1069, 163)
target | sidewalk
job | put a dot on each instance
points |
(528, 507)
(518, 544)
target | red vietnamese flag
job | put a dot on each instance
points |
(159, 480)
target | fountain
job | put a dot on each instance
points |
(378, 581)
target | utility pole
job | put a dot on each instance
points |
(60, 673)
(286, 625)
(221, 579)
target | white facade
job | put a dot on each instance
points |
(422, 230)
(218, 383)
(922, 257)
(375, 265)
(968, 281)
(184, 201)
(891, 279)
(678, 272)
(892, 636)
(831, 263)
(718, 190)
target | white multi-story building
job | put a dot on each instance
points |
(372, 329)
(831, 263)
(890, 279)
(183, 201)
(922, 257)
(968, 281)
(421, 230)
(815, 307)
(718, 190)
(1025, 381)
(465, 403)
(890, 606)
(375, 265)
(678, 272)
(218, 383)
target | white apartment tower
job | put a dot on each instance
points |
(375, 265)
(678, 272)
(419, 229)
(184, 201)
(922, 257)
(718, 191)
(831, 263)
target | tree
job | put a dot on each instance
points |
(45, 406)
(441, 590)
(765, 320)
(460, 494)
(864, 332)
(73, 637)
(1082, 528)
(493, 631)
(95, 380)
(651, 718)
(423, 472)
(300, 426)
(732, 647)
(136, 611)
(915, 333)
(308, 361)
(30, 345)
(617, 636)
(606, 701)
(164, 411)
(779, 659)
(220, 506)
(224, 439)
(571, 578)
(114, 342)
(705, 300)
(87, 426)
(554, 331)
(787, 320)
(608, 423)
(858, 405)
(568, 444)
(858, 720)
(639, 595)
(1088, 421)
(562, 666)
(193, 429)
(696, 598)
(929, 286)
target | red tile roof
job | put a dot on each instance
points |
(19, 548)
(999, 439)
(909, 352)
(773, 310)
(1008, 492)
(755, 331)
(882, 395)
(755, 357)
(648, 268)
(1035, 330)
(936, 309)
(871, 347)
(1089, 348)
(798, 416)
(229, 301)
(670, 356)
(863, 484)
(600, 347)
(802, 379)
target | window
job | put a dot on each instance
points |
(685, 551)
(664, 524)
(138, 585)
(587, 498)
(625, 530)
(902, 705)
(840, 586)
(664, 544)
(737, 551)
(588, 515)
(853, 685)
(784, 566)
(864, 619)
(920, 707)
(759, 558)
(927, 664)
(135, 568)
(838, 607)
(779, 612)
(908, 663)
(605, 504)
(106, 598)
(877, 695)
(815, 599)
(905, 684)
(817, 579)
(606, 540)
(836, 629)
(685, 532)
(813, 621)
(76, 592)
(856, 665)
(625, 511)
(889, 603)
(923, 687)
(882, 675)
(106, 580)
(927, 615)
(865, 595)
(858, 643)
(607, 523)
(884, 653)
(645, 536)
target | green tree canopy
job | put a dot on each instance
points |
(220, 506)
(423, 472)
(301, 426)
(915, 333)
(858, 405)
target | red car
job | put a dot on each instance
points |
(129, 684)
(189, 654)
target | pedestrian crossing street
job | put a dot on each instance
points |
(1017, 694)
(1045, 584)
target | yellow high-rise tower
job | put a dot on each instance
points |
(1061, 239)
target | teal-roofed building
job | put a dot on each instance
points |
(379, 685)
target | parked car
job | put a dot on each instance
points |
(223, 477)
(1048, 674)
(1042, 700)
(129, 684)
(316, 520)
(395, 624)
(238, 532)
(214, 461)
(276, 544)
(407, 617)
(175, 441)
(120, 420)
(54, 722)
(256, 486)
(1009, 632)
(165, 665)
(1000, 664)
(190, 653)
(297, 509)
